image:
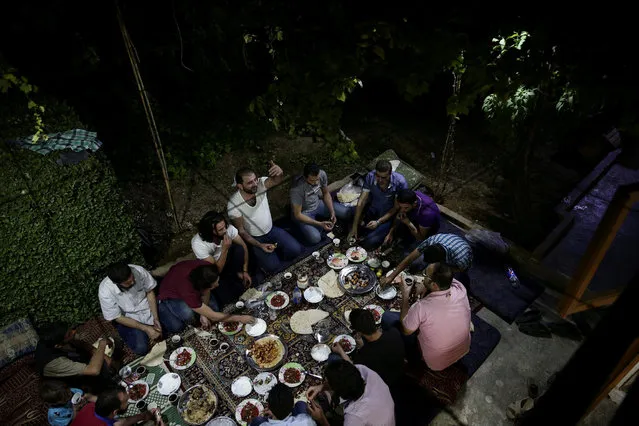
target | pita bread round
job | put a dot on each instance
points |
(328, 284)
(302, 321)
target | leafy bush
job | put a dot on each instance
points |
(61, 226)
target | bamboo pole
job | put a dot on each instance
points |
(148, 111)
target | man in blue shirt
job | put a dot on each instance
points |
(283, 411)
(378, 204)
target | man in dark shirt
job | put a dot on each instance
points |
(382, 352)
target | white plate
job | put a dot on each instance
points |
(292, 365)
(174, 355)
(356, 251)
(238, 410)
(320, 352)
(146, 391)
(238, 328)
(241, 386)
(169, 383)
(256, 329)
(276, 293)
(346, 337)
(342, 264)
(387, 294)
(264, 382)
(313, 294)
(377, 309)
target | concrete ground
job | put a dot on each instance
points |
(501, 380)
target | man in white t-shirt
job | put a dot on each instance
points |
(127, 298)
(249, 211)
(220, 243)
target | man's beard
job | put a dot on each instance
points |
(251, 191)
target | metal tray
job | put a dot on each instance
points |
(252, 362)
(363, 269)
(181, 406)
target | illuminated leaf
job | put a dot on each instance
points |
(379, 52)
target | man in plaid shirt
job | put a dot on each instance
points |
(450, 249)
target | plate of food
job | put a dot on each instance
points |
(230, 328)
(137, 391)
(337, 261)
(292, 374)
(387, 293)
(247, 410)
(241, 386)
(313, 295)
(357, 279)
(267, 353)
(346, 342)
(264, 382)
(182, 358)
(169, 383)
(277, 300)
(257, 329)
(356, 254)
(377, 312)
(197, 405)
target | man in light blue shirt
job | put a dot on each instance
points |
(282, 411)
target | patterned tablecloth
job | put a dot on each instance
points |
(218, 368)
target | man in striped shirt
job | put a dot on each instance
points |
(450, 249)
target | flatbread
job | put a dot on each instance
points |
(328, 284)
(251, 293)
(302, 321)
(156, 355)
(108, 351)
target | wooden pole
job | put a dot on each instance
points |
(155, 136)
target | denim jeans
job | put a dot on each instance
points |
(136, 340)
(313, 234)
(411, 344)
(287, 248)
(300, 407)
(175, 314)
(372, 239)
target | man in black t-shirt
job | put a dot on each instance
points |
(382, 352)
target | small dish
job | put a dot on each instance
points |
(348, 348)
(256, 329)
(182, 354)
(241, 386)
(169, 383)
(388, 293)
(292, 374)
(230, 328)
(252, 405)
(264, 382)
(320, 352)
(313, 295)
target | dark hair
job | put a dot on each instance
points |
(406, 196)
(208, 221)
(345, 380)
(108, 401)
(383, 166)
(442, 275)
(55, 392)
(434, 253)
(280, 401)
(311, 169)
(239, 175)
(363, 321)
(53, 333)
(119, 272)
(204, 276)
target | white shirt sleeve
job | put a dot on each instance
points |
(232, 232)
(200, 248)
(148, 282)
(108, 302)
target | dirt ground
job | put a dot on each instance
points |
(473, 187)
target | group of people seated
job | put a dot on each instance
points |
(435, 329)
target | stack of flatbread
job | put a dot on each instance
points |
(330, 287)
(302, 321)
(155, 355)
(250, 294)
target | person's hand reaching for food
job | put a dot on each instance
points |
(246, 319)
(205, 322)
(327, 225)
(269, 248)
(373, 224)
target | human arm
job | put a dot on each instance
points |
(408, 317)
(402, 265)
(328, 202)
(361, 203)
(151, 331)
(337, 348)
(373, 224)
(248, 238)
(95, 364)
(317, 413)
(275, 175)
(244, 275)
(417, 231)
(209, 313)
(153, 306)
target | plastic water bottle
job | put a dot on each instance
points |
(512, 277)
(297, 295)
